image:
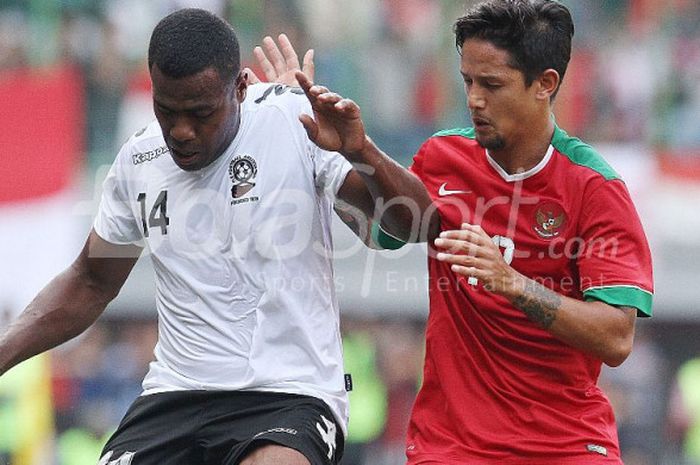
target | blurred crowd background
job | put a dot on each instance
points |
(74, 85)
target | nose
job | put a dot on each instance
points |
(182, 130)
(475, 100)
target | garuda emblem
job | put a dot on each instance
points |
(550, 219)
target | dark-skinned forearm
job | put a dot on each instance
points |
(393, 186)
(66, 307)
(593, 327)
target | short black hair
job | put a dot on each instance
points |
(536, 33)
(191, 40)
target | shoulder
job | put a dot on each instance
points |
(449, 144)
(584, 158)
(270, 96)
(144, 146)
(464, 138)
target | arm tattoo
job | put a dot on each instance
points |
(539, 303)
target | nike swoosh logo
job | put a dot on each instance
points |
(443, 191)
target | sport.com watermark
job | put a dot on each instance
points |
(285, 224)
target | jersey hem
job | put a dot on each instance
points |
(622, 296)
(98, 227)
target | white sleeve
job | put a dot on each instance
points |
(330, 170)
(115, 221)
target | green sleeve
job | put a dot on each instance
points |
(384, 239)
(622, 296)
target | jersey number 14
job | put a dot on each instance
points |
(159, 213)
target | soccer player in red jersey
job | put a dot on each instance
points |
(539, 267)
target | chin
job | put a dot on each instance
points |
(491, 143)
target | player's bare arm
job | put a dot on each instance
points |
(597, 328)
(399, 198)
(70, 303)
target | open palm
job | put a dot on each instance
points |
(337, 124)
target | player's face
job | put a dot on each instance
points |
(500, 103)
(199, 115)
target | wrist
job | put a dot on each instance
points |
(358, 154)
(514, 285)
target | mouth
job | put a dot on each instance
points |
(481, 123)
(183, 157)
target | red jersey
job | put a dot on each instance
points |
(497, 388)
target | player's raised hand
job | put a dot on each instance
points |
(280, 63)
(474, 255)
(337, 124)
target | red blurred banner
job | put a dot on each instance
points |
(41, 133)
(680, 165)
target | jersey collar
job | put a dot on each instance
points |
(522, 175)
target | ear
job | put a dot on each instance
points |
(547, 84)
(241, 86)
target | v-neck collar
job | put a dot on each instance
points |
(521, 176)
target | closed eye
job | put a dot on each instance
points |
(203, 114)
(163, 110)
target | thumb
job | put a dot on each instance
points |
(310, 126)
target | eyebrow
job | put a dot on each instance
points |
(483, 76)
(196, 108)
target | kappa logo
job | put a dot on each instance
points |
(242, 170)
(125, 459)
(150, 155)
(327, 434)
(291, 431)
(550, 219)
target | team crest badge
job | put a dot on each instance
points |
(242, 172)
(550, 219)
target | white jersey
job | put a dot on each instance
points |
(242, 254)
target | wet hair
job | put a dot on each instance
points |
(191, 40)
(536, 33)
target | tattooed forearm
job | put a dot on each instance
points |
(539, 303)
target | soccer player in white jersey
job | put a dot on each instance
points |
(234, 204)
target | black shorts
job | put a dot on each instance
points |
(219, 428)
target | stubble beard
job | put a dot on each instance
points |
(491, 143)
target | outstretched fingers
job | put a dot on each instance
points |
(308, 66)
(347, 108)
(275, 56)
(288, 53)
(265, 65)
(311, 90)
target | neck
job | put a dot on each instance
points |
(527, 151)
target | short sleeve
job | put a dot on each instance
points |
(417, 165)
(330, 170)
(115, 221)
(614, 261)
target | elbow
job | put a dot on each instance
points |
(618, 352)
(100, 291)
